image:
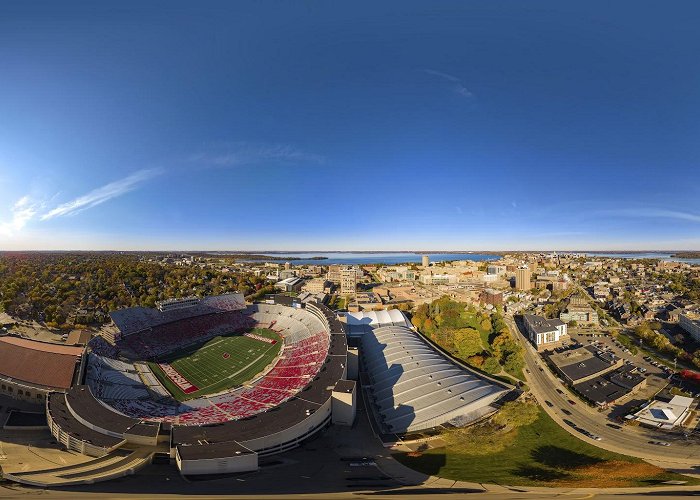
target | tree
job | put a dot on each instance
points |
(467, 342)
(513, 363)
(491, 365)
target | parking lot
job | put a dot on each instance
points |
(657, 375)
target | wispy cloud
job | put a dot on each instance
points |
(652, 213)
(102, 194)
(457, 84)
(243, 153)
(21, 212)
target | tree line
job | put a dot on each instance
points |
(65, 289)
(479, 338)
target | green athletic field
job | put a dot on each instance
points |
(206, 366)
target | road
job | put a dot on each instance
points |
(632, 441)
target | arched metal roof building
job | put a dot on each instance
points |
(415, 387)
(360, 323)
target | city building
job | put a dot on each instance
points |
(317, 285)
(522, 278)
(491, 296)
(496, 269)
(438, 279)
(579, 310)
(690, 322)
(601, 290)
(289, 285)
(348, 280)
(580, 364)
(545, 333)
(425, 260)
(345, 276)
(399, 273)
(665, 414)
(611, 387)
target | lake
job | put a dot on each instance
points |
(375, 258)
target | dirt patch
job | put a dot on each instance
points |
(612, 474)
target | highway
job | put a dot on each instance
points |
(632, 441)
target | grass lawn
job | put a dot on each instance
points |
(338, 302)
(542, 454)
(220, 363)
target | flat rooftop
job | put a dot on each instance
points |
(208, 451)
(581, 362)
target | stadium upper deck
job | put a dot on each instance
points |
(136, 319)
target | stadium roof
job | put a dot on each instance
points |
(38, 363)
(414, 387)
(360, 323)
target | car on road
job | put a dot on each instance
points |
(614, 426)
(660, 443)
(571, 402)
(560, 391)
(570, 423)
(565, 411)
(548, 403)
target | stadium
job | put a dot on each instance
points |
(214, 382)
(213, 385)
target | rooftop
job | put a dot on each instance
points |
(39, 363)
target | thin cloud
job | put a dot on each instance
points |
(457, 84)
(102, 194)
(22, 212)
(652, 213)
(247, 153)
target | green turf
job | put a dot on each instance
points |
(204, 365)
(541, 454)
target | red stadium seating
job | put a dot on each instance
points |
(299, 362)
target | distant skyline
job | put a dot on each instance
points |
(449, 125)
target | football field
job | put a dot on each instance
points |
(218, 364)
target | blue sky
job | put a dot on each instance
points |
(361, 125)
